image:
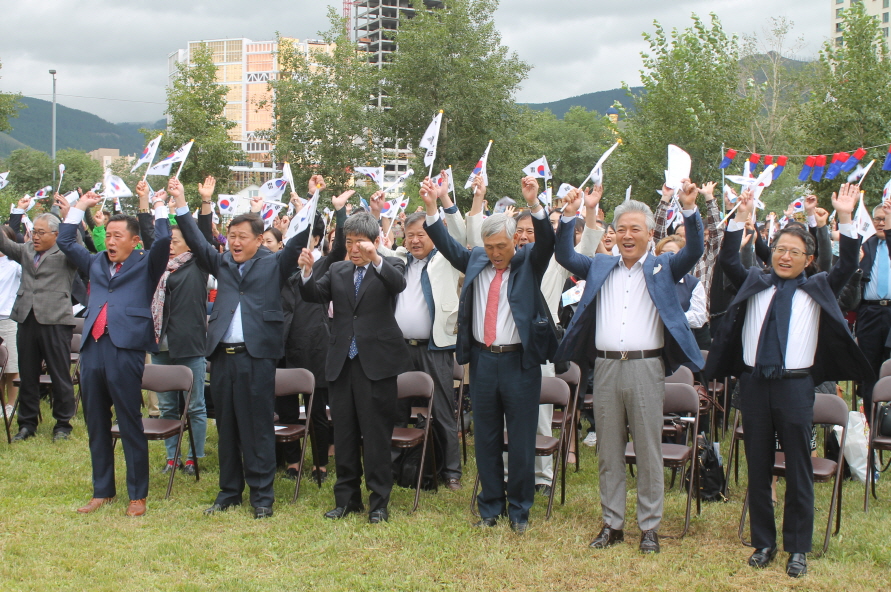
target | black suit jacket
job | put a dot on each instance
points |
(869, 257)
(837, 356)
(370, 316)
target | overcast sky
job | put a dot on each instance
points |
(117, 49)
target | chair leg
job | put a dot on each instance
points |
(461, 421)
(742, 520)
(302, 460)
(421, 469)
(556, 456)
(192, 448)
(7, 421)
(575, 434)
(476, 486)
(869, 477)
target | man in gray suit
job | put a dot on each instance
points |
(43, 311)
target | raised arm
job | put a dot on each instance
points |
(77, 254)
(686, 258)
(728, 257)
(565, 251)
(454, 252)
(543, 247)
(208, 257)
(844, 202)
(159, 253)
(11, 249)
(712, 217)
(661, 213)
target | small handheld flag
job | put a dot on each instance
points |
(3, 180)
(115, 186)
(226, 203)
(807, 169)
(430, 140)
(61, 176)
(886, 192)
(854, 160)
(679, 166)
(270, 212)
(480, 169)
(43, 192)
(728, 159)
(163, 166)
(274, 189)
(797, 205)
(539, 169)
(148, 154)
(400, 180)
(376, 174)
(72, 197)
(596, 174)
(304, 218)
(863, 221)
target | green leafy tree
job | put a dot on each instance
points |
(9, 104)
(29, 171)
(80, 170)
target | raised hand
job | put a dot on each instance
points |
(376, 203)
(510, 211)
(100, 218)
(142, 190)
(87, 200)
(161, 197)
(339, 201)
(63, 205)
(24, 202)
(305, 261)
(256, 204)
(687, 197)
(822, 217)
(592, 198)
(428, 194)
(666, 193)
(369, 251)
(845, 202)
(572, 201)
(530, 191)
(479, 187)
(177, 192)
(316, 182)
(810, 205)
(443, 187)
(744, 206)
(206, 189)
(708, 190)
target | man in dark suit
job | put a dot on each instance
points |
(365, 355)
(784, 333)
(630, 326)
(43, 310)
(118, 331)
(505, 334)
(244, 344)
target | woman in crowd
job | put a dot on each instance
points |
(10, 278)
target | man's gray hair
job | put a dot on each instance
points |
(876, 209)
(52, 221)
(635, 207)
(497, 223)
(362, 224)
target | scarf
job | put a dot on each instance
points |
(161, 291)
(770, 358)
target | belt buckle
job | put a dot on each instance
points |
(883, 302)
(229, 350)
(624, 357)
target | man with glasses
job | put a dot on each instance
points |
(43, 311)
(784, 333)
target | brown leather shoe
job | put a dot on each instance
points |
(94, 504)
(453, 484)
(136, 507)
(607, 537)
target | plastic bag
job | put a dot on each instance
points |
(855, 444)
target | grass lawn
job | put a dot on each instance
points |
(46, 545)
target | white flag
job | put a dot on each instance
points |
(304, 218)
(480, 169)
(162, 167)
(226, 203)
(270, 212)
(44, 192)
(148, 154)
(3, 181)
(390, 208)
(431, 139)
(886, 192)
(539, 169)
(628, 194)
(679, 165)
(287, 175)
(376, 174)
(546, 197)
(115, 186)
(564, 189)
(274, 189)
(72, 197)
(863, 221)
(451, 180)
(596, 174)
(400, 180)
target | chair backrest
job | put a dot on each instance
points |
(682, 375)
(160, 378)
(294, 381)
(75, 343)
(457, 370)
(704, 353)
(572, 377)
(830, 409)
(885, 369)
(78, 325)
(881, 393)
(554, 391)
(414, 384)
(680, 399)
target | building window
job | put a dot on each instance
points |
(885, 31)
(839, 41)
(885, 17)
(886, 3)
(843, 1)
(838, 28)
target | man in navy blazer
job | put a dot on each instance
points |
(117, 333)
(504, 332)
(630, 326)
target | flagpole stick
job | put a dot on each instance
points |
(180, 169)
(869, 166)
(730, 213)
(152, 160)
(451, 176)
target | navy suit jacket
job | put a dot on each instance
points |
(661, 274)
(128, 294)
(523, 287)
(869, 257)
(837, 356)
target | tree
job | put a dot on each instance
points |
(80, 170)
(323, 120)
(9, 104)
(453, 59)
(850, 106)
(196, 109)
(29, 171)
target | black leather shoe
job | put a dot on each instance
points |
(762, 557)
(219, 508)
(797, 565)
(378, 516)
(319, 476)
(487, 522)
(23, 435)
(342, 511)
(60, 436)
(262, 512)
(290, 474)
(607, 538)
(649, 542)
(543, 489)
(519, 527)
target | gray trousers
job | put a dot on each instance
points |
(630, 393)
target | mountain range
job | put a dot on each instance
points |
(597, 101)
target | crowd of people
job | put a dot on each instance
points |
(366, 298)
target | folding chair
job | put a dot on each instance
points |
(45, 380)
(160, 378)
(881, 393)
(458, 374)
(7, 420)
(829, 410)
(671, 429)
(573, 379)
(79, 325)
(295, 381)
(417, 385)
(682, 400)
(554, 391)
(885, 370)
(736, 435)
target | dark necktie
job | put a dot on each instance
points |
(770, 358)
(360, 273)
(102, 318)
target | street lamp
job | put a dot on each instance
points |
(53, 72)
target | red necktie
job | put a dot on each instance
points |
(102, 318)
(490, 326)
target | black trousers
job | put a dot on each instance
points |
(288, 409)
(36, 344)
(244, 397)
(784, 407)
(873, 326)
(362, 411)
(112, 376)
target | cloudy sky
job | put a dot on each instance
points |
(117, 49)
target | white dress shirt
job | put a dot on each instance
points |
(696, 314)
(627, 319)
(412, 312)
(10, 279)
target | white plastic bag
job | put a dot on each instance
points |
(855, 444)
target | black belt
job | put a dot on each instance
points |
(638, 354)
(878, 302)
(499, 349)
(418, 342)
(233, 348)
(787, 374)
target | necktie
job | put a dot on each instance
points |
(102, 318)
(360, 273)
(771, 354)
(36, 259)
(882, 272)
(490, 326)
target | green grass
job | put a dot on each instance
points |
(46, 545)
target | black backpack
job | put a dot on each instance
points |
(711, 474)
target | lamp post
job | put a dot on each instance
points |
(53, 72)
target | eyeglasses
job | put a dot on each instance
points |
(43, 233)
(882, 220)
(792, 252)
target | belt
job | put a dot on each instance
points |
(499, 349)
(418, 342)
(878, 302)
(787, 374)
(233, 348)
(638, 354)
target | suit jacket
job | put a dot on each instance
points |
(837, 356)
(257, 288)
(661, 273)
(128, 294)
(45, 289)
(369, 316)
(527, 305)
(869, 257)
